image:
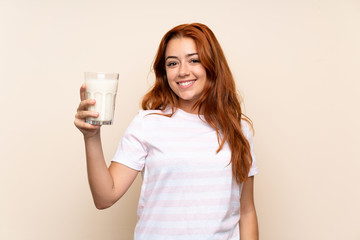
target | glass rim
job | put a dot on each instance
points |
(101, 75)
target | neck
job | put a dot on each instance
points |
(187, 106)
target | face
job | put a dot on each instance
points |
(185, 73)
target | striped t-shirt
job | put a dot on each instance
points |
(188, 191)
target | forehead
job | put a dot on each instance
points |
(180, 46)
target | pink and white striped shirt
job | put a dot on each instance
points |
(188, 191)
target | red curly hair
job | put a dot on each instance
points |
(219, 102)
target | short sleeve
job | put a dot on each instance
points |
(248, 134)
(132, 150)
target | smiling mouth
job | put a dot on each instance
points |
(185, 83)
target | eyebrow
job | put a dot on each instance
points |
(187, 55)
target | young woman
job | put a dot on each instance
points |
(191, 143)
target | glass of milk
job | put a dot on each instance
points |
(102, 87)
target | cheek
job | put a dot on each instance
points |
(170, 76)
(170, 80)
(200, 72)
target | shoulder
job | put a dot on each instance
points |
(150, 115)
(144, 120)
(145, 113)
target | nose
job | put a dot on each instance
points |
(184, 70)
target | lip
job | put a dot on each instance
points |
(189, 80)
(186, 86)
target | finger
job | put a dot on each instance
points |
(82, 92)
(92, 127)
(89, 126)
(85, 104)
(86, 114)
(84, 125)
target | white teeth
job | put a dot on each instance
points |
(185, 83)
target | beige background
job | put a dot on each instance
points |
(296, 64)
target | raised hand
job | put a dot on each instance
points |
(82, 113)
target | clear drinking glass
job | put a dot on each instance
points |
(102, 87)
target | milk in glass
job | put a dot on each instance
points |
(102, 87)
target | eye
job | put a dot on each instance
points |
(171, 64)
(195, 60)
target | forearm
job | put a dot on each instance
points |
(100, 180)
(249, 226)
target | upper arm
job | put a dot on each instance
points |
(123, 177)
(247, 196)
